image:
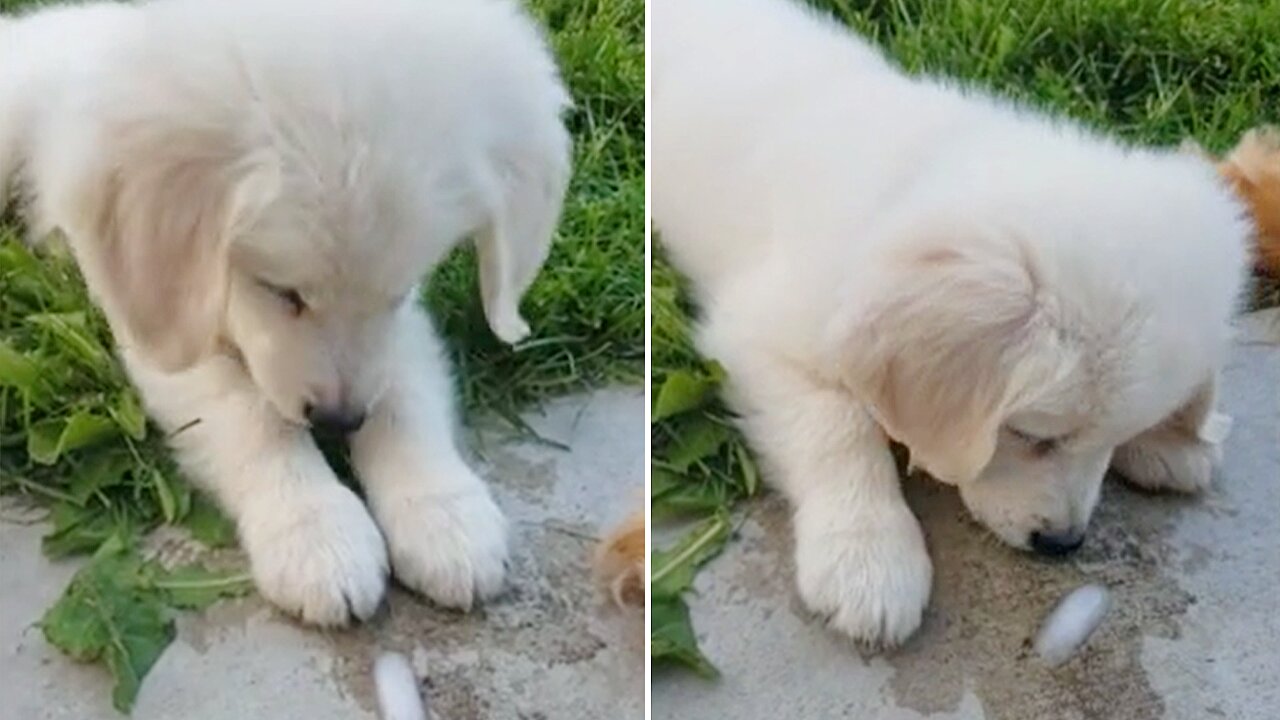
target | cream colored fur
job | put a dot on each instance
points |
(254, 191)
(1016, 299)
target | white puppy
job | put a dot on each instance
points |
(1019, 301)
(254, 191)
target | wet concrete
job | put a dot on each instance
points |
(551, 647)
(1194, 631)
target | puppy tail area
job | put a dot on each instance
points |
(619, 563)
(397, 687)
(1253, 169)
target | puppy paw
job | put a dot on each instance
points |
(317, 554)
(452, 548)
(1167, 462)
(870, 579)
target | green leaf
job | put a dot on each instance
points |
(102, 471)
(75, 626)
(78, 529)
(17, 257)
(73, 335)
(697, 441)
(182, 498)
(85, 429)
(207, 523)
(1006, 39)
(747, 465)
(17, 371)
(165, 496)
(49, 439)
(111, 611)
(127, 412)
(675, 494)
(42, 440)
(673, 570)
(672, 638)
(663, 481)
(195, 587)
(685, 390)
(141, 632)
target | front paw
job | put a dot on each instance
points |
(870, 577)
(1167, 463)
(451, 547)
(316, 553)
(1174, 458)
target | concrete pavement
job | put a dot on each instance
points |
(550, 648)
(1194, 631)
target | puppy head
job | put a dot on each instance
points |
(208, 241)
(313, 294)
(964, 353)
(297, 255)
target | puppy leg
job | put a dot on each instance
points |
(1179, 453)
(314, 550)
(861, 559)
(448, 539)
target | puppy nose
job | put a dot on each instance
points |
(333, 421)
(1057, 544)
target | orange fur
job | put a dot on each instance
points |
(620, 563)
(1253, 170)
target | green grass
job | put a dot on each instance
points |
(587, 306)
(72, 437)
(1152, 71)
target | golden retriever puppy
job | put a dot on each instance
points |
(1019, 301)
(254, 191)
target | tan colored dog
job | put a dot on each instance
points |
(254, 192)
(1253, 170)
(620, 563)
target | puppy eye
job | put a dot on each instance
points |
(1040, 446)
(292, 298)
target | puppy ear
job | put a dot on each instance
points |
(941, 349)
(161, 217)
(514, 243)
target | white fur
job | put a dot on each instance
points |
(193, 150)
(878, 256)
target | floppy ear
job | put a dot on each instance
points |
(942, 345)
(514, 243)
(161, 217)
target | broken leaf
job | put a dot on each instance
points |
(673, 570)
(672, 638)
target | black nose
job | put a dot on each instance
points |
(1056, 544)
(332, 421)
